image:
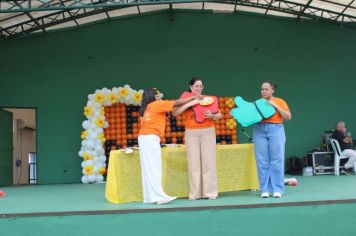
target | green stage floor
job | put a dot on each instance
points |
(84, 198)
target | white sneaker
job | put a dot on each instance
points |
(265, 195)
(167, 200)
(277, 195)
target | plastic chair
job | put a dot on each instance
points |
(338, 155)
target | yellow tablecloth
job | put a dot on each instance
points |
(236, 168)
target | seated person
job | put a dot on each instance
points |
(345, 141)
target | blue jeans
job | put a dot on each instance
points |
(269, 144)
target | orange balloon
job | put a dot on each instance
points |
(124, 143)
(163, 140)
(117, 119)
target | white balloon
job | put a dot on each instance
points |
(99, 178)
(95, 153)
(102, 158)
(84, 142)
(92, 135)
(91, 178)
(90, 102)
(92, 125)
(90, 143)
(107, 103)
(98, 148)
(115, 90)
(89, 163)
(98, 130)
(97, 141)
(85, 124)
(99, 152)
(84, 164)
(106, 91)
(85, 179)
(102, 164)
(96, 106)
(91, 153)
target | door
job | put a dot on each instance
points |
(6, 146)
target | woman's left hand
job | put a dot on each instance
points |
(208, 114)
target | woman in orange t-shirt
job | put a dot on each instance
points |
(153, 121)
(200, 141)
(269, 144)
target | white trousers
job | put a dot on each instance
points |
(151, 168)
(351, 154)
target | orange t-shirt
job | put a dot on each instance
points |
(277, 118)
(154, 118)
(190, 122)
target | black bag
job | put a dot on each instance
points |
(295, 165)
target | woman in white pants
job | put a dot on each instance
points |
(153, 118)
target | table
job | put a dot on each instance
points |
(236, 169)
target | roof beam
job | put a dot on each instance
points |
(342, 13)
(55, 18)
(28, 14)
(269, 5)
(303, 10)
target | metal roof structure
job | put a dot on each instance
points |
(22, 17)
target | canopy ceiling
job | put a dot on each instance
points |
(22, 17)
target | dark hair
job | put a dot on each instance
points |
(270, 82)
(192, 82)
(148, 96)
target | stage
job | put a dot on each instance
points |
(77, 209)
(69, 199)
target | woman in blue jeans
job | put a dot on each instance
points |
(269, 144)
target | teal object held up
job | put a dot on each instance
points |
(248, 113)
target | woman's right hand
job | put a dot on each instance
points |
(199, 97)
(193, 102)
